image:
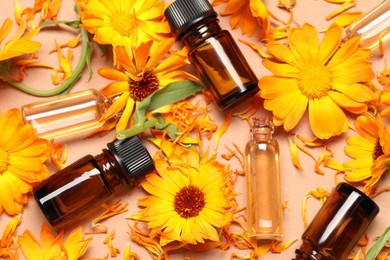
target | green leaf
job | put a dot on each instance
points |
(172, 93)
(379, 244)
(136, 129)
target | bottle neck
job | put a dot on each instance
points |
(113, 175)
(200, 31)
(261, 135)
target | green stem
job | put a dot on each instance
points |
(68, 82)
(73, 24)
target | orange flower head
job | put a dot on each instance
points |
(22, 158)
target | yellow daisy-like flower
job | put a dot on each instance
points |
(22, 158)
(53, 247)
(188, 198)
(370, 151)
(323, 78)
(140, 74)
(123, 22)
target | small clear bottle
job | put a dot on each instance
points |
(78, 189)
(338, 225)
(372, 26)
(264, 203)
(213, 52)
(68, 116)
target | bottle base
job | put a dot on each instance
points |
(237, 98)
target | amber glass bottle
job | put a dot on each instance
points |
(338, 225)
(212, 51)
(372, 27)
(264, 206)
(67, 116)
(74, 191)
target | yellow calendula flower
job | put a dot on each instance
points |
(370, 151)
(124, 22)
(52, 246)
(22, 158)
(323, 78)
(140, 74)
(189, 197)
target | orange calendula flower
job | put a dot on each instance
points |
(188, 198)
(22, 158)
(141, 74)
(370, 151)
(124, 22)
(53, 247)
(323, 78)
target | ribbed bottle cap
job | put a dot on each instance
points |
(132, 156)
(182, 14)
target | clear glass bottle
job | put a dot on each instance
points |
(213, 52)
(338, 225)
(68, 116)
(81, 187)
(264, 203)
(372, 26)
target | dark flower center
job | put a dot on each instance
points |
(377, 150)
(189, 201)
(140, 89)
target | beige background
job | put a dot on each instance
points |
(295, 184)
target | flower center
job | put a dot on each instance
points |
(377, 150)
(315, 81)
(122, 23)
(189, 201)
(4, 160)
(140, 89)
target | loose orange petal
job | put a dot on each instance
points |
(108, 240)
(319, 194)
(58, 155)
(129, 255)
(70, 44)
(278, 248)
(7, 239)
(113, 210)
(223, 128)
(347, 5)
(294, 153)
(261, 52)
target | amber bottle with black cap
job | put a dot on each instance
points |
(213, 52)
(74, 191)
(338, 225)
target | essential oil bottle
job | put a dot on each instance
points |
(212, 51)
(338, 225)
(81, 187)
(67, 116)
(262, 169)
(372, 27)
